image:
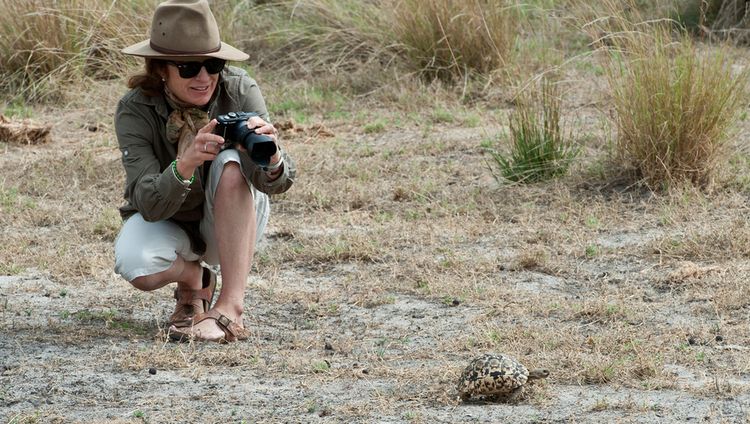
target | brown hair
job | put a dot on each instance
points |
(150, 80)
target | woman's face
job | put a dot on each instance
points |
(196, 91)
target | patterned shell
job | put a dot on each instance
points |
(491, 375)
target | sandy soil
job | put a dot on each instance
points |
(55, 370)
(375, 287)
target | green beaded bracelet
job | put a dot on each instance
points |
(178, 176)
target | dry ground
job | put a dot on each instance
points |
(394, 259)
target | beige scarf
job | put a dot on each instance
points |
(184, 122)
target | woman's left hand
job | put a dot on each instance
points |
(262, 127)
(265, 128)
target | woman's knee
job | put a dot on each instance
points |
(160, 279)
(137, 261)
(232, 177)
(144, 282)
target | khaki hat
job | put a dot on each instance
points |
(183, 29)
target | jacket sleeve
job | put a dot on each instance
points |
(252, 101)
(156, 193)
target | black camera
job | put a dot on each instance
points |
(233, 127)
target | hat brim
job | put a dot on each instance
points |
(143, 49)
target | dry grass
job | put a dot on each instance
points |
(675, 104)
(393, 260)
(368, 45)
(45, 44)
(450, 39)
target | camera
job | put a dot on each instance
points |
(233, 127)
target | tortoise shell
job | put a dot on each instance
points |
(494, 375)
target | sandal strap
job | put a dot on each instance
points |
(191, 302)
(206, 294)
(232, 330)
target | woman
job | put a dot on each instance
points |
(190, 199)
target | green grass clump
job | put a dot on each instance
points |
(675, 105)
(540, 150)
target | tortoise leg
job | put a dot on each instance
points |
(516, 395)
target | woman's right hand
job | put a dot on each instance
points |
(205, 146)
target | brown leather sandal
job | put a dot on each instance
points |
(232, 330)
(193, 302)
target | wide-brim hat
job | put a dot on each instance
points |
(184, 29)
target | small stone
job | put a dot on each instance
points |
(692, 340)
(719, 338)
(365, 371)
(152, 371)
(456, 302)
(328, 346)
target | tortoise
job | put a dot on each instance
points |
(496, 376)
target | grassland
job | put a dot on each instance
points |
(398, 255)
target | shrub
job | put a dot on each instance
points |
(539, 148)
(722, 18)
(675, 105)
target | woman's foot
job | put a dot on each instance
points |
(212, 326)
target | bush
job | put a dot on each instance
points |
(697, 15)
(674, 104)
(725, 19)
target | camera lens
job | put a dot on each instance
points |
(261, 147)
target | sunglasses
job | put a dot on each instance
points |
(191, 69)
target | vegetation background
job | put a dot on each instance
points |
(555, 180)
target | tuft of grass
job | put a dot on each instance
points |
(540, 150)
(107, 225)
(10, 269)
(447, 39)
(675, 105)
(376, 126)
(17, 108)
(321, 366)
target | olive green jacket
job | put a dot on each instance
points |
(151, 187)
